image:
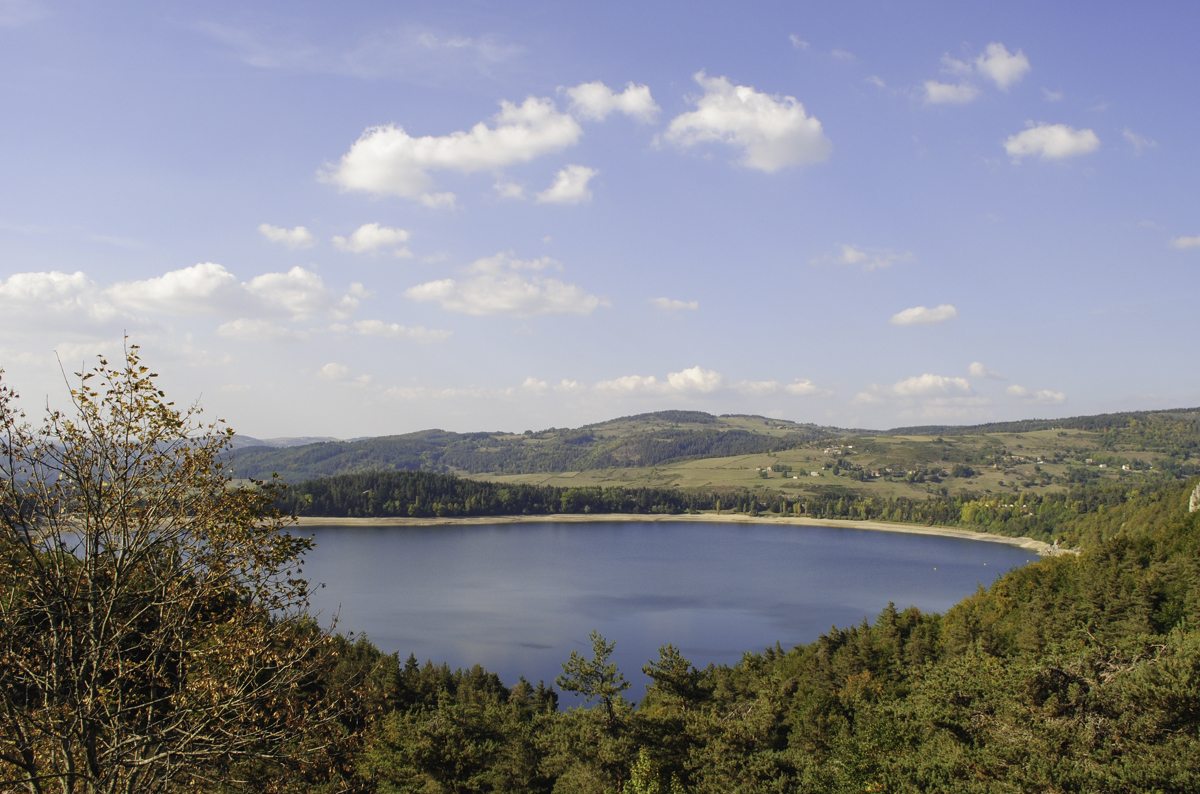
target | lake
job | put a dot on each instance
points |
(518, 598)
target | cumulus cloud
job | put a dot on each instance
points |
(334, 371)
(1050, 142)
(201, 289)
(301, 293)
(197, 289)
(773, 132)
(371, 238)
(866, 258)
(921, 315)
(630, 383)
(596, 101)
(54, 293)
(386, 160)
(693, 380)
(675, 305)
(928, 384)
(1041, 396)
(396, 331)
(570, 186)
(801, 388)
(938, 93)
(1001, 66)
(295, 237)
(978, 370)
(499, 285)
(995, 63)
(1183, 243)
(509, 190)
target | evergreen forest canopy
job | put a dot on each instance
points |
(152, 638)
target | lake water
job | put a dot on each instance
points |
(518, 598)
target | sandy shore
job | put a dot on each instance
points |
(1040, 547)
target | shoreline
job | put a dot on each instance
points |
(1042, 548)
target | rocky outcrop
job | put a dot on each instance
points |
(1194, 502)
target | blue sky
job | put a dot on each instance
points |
(369, 218)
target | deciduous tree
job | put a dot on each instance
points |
(152, 629)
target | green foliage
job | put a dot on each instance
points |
(1076, 673)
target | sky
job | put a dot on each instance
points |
(370, 218)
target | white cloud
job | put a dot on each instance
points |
(570, 186)
(630, 383)
(596, 101)
(509, 190)
(201, 288)
(295, 237)
(797, 42)
(995, 63)
(675, 305)
(927, 384)
(53, 292)
(920, 315)
(535, 385)
(397, 331)
(301, 293)
(978, 370)
(1183, 243)
(371, 237)
(438, 200)
(334, 371)
(1140, 143)
(938, 93)
(801, 388)
(694, 379)
(867, 258)
(773, 132)
(1051, 142)
(1041, 396)
(842, 55)
(1001, 66)
(1052, 96)
(496, 285)
(876, 81)
(386, 160)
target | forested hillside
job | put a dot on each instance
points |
(1075, 673)
(1004, 463)
(643, 440)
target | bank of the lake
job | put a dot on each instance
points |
(1040, 547)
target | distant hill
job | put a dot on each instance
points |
(666, 438)
(240, 441)
(643, 440)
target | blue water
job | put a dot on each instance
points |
(518, 598)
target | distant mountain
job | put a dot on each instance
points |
(642, 440)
